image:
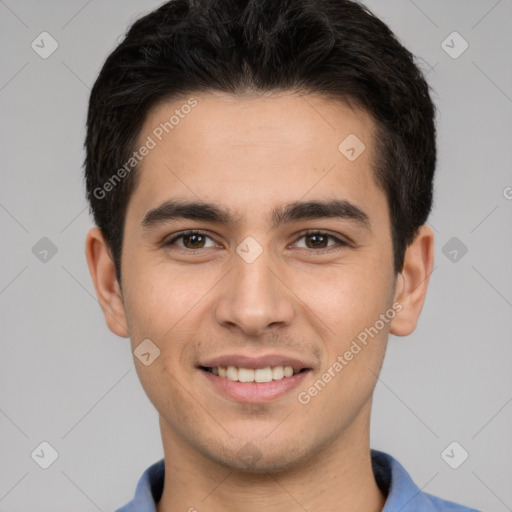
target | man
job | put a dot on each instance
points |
(260, 174)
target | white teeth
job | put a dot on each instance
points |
(245, 375)
(263, 374)
(266, 374)
(277, 373)
(288, 371)
(232, 373)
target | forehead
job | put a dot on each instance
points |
(285, 118)
(243, 151)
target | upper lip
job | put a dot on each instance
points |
(245, 361)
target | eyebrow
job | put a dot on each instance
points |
(295, 211)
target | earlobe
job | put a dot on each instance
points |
(102, 270)
(412, 282)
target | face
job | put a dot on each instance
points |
(289, 264)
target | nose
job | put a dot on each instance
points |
(254, 298)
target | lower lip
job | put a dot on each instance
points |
(254, 392)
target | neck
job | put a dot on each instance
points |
(339, 477)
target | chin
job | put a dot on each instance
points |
(260, 457)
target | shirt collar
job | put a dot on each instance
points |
(403, 495)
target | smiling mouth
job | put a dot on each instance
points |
(258, 375)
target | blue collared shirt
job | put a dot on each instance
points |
(393, 480)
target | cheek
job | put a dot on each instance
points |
(346, 298)
(164, 307)
(347, 304)
(169, 306)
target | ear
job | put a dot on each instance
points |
(107, 288)
(412, 282)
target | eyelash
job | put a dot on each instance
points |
(340, 243)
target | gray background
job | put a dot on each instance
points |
(65, 379)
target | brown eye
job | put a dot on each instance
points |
(193, 241)
(316, 241)
(320, 240)
(190, 240)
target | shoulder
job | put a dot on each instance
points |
(148, 491)
(401, 491)
(439, 504)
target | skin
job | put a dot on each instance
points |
(250, 154)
